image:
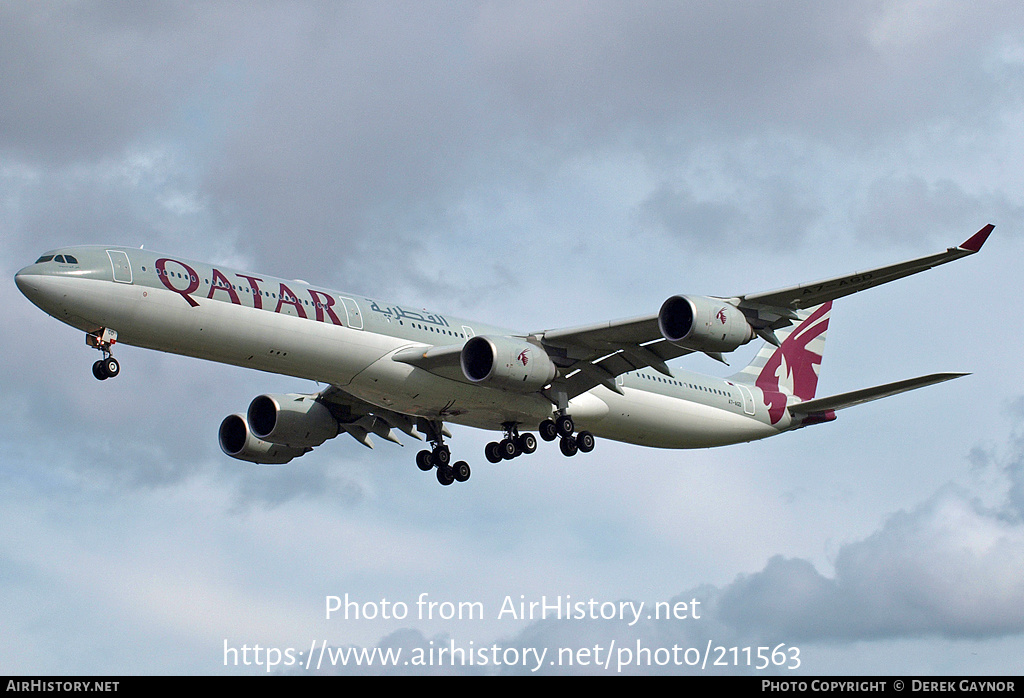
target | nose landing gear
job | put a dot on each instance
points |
(104, 340)
(106, 368)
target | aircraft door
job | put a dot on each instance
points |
(355, 320)
(748, 399)
(121, 266)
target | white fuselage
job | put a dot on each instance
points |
(296, 329)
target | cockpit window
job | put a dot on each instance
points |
(70, 260)
(59, 258)
(44, 258)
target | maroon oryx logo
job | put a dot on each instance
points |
(524, 357)
(792, 369)
(721, 316)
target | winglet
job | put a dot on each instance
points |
(978, 239)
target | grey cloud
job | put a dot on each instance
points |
(272, 487)
(767, 215)
(83, 80)
(911, 208)
(680, 215)
(357, 130)
(828, 68)
(950, 567)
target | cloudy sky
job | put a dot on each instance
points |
(535, 165)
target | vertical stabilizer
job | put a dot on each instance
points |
(792, 368)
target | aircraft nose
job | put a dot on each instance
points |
(31, 285)
(23, 282)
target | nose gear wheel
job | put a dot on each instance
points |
(104, 340)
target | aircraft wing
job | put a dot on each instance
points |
(360, 419)
(596, 354)
(593, 355)
(809, 295)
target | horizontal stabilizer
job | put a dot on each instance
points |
(857, 397)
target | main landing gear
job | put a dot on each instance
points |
(440, 457)
(104, 340)
(512, 446)
(562, 429)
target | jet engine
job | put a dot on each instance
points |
(237, 441)
(297, 421)
(508, 363)
(703, 324)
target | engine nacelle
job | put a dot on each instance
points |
(298, 421)
(508, 363)
(703, 324)
(237, 441)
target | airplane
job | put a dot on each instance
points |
(390, 366)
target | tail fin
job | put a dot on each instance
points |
(792, 368)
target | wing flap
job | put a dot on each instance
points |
(360, 419)
(628, 331)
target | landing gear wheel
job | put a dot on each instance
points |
(110, 367)
(423, 461)
(585, 441)
(106, 368)
(548, 430)
(441, 456)
(564, 426)
(461, 471)
(103, 339)
(527, 443)
(445, 475)
(509, 450)
(493, 452)
(568, 446)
